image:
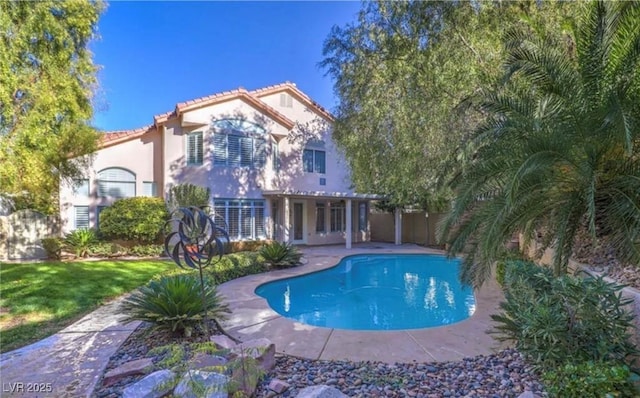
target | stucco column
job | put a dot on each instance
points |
(286, 220)
(268, 219)
(349, 225)
(398, 224)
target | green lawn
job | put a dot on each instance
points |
(39, 299)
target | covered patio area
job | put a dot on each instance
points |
(318, 217)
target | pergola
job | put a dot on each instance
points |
(348, 197)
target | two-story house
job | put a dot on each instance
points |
(267, 155)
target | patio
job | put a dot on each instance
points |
(253, 318)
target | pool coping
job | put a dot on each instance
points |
(252, 317)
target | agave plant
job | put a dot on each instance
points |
(175, 303)
(281, 255)
(80, 241)
(559, 149)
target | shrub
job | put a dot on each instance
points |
(589, 380)
(174, 303)
(53, 247)
(107, 249)
(80, 241)
(245, 246)
(185, 195)
(281, 255)
(236, 265)
(555, 319)
(140, 219)
(147, 250)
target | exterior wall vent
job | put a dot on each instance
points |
(286, 101)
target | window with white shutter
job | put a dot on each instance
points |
(244, 218)
(81, 217)
(219, 149)
(115, 182)
(194, 149)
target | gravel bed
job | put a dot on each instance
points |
(501, 375)
(504, 374)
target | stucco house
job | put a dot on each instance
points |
(267, 155)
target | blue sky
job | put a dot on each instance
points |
(156, 54)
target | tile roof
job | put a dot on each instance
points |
(110, 138)
(261, 92)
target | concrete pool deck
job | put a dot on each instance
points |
(253, 318)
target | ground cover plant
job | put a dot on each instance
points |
(575, 330)
(39, 299)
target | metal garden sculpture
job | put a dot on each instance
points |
(193, 240)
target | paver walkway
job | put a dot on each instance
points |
(69, 363)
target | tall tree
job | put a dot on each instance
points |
(406, 76)
(559, 149)
(47, 78)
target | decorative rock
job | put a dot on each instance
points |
(137, 367)
(223, 342)
(213, 384)
(155, 385)
(203, 360)
(244, 380)
(321, 391)
(262, 350)
(528, 394)
(278, 386)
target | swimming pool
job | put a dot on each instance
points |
(375, 292)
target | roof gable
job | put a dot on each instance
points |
(292, 89)
(250, 97)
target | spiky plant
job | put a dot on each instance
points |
(175, 303)
(80, 241)
(281, 255)
(559, 149)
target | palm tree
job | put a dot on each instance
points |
(558, 151)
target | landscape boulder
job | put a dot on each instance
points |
(223, 342)
(262, 350)
(137, 367)
(155, 385)
(200, 384)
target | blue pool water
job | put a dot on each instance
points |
(375, 292)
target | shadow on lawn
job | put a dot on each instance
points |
(61, 293)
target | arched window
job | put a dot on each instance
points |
(115, 182)
(239, 143)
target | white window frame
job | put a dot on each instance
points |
(199, 156)
(321, 208)
(256, 207)
(75, 217)
(314, 157)
(363, 221)
(154, 188)
(337, 217)
(257, 153)
(79, 184)
(132, 183)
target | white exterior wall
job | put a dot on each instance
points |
(291, 175)
(160, 156)
(140, 156)
(224, 181)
